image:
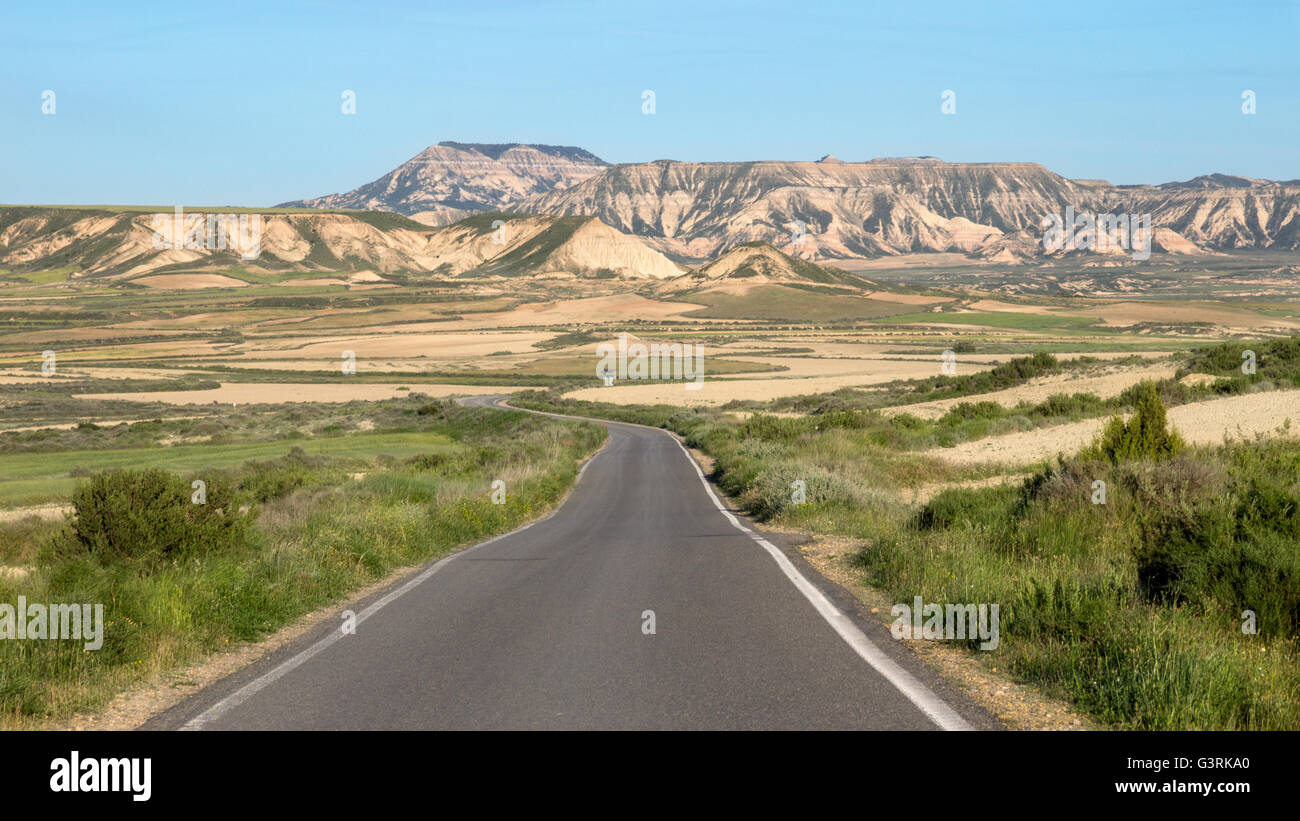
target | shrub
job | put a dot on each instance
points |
(146, 516)
(771, 493)
(272, 479)
(1145, 436)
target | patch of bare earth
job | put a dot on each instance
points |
(925, 493)
(1107, 383)
(1205, 423)
(50, 511)
(252, 393)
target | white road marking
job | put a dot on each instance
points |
(926, 700)
(250, 689)
(935, 708)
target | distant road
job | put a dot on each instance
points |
(543, 629)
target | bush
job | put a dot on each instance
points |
(275, 478)
(1145, 436)
(146, 516)
(770, 492)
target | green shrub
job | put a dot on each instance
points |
(1145, 436)
(262, 481)
(146, 516)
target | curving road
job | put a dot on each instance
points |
(543, 629)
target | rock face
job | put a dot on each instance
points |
(451, 180)
(760, 263)
(694, 211)
(518, 244)
(108, 243)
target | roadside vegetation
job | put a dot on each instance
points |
(1153, 584)
(275, 537)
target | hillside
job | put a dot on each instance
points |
(516, 244)
(760, 263)
(119, 243)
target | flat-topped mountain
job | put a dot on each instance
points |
(451, 180)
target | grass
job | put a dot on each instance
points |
(45, 477)
(1130, 610)
(1018, 321)
(45, 277)
(313, 538)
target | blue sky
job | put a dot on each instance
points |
(239, 103)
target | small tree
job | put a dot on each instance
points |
(1145, 436)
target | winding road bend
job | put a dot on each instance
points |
(544, 628)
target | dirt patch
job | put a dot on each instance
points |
(186, 282)
(50, 511)
(1104, 385)
(251, 393)
(718, 391)
(1204, 423)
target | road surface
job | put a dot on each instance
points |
(546, 628)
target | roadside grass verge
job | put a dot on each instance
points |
(311, 534)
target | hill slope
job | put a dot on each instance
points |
(760, 263)
(120, 243)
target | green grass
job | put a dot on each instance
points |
(46, 277)
(36, 478)
(1018, 321)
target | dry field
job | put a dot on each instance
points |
(718, 391)
(1114, 381)
(249, 393)
(1204, 423)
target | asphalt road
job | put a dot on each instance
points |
(544, 628)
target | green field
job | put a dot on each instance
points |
(1017, 321)
(36, 478)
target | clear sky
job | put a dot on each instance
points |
(239, 103)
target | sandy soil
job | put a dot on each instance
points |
(103, 423)
(51, 511)
(253, 393)
(717, 391)
(1201, 423)
(1129, 313)
(1103, 385)
(187, 282)
(327, 350)
(908, 299)
(571, 311)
